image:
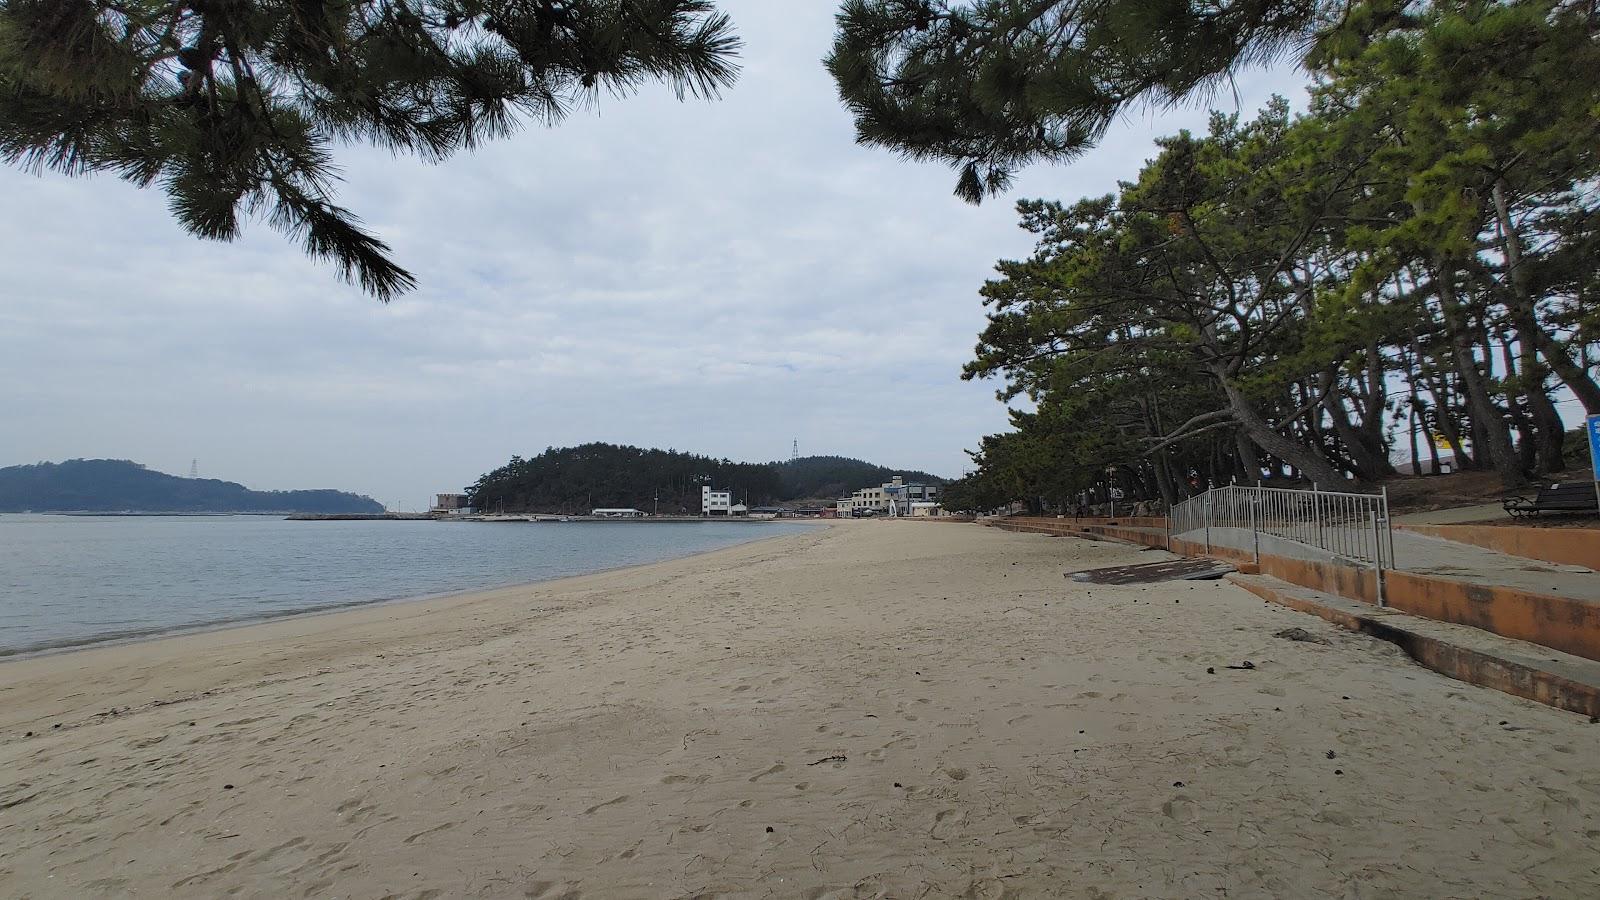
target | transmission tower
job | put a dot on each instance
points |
(794, 451)
(194, 468)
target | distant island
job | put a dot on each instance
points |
(577, 479)
(121, 486)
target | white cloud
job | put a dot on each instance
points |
(723, 277)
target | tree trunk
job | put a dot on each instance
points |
(1370, 466)
(1414, 419)
(1546, 421)
(1552, 432)
(1377, 399)
(1529, 334)
(1169, 494)
(1571, 374)
(1444, 419)
(1310, 463)
(1443, 425)
(1248, 457)
(1497, 441)
(1416, 457)
(1527, 437)
(1433, 445)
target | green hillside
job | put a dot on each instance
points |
(823, 477)
(118, 485)
(577, 479)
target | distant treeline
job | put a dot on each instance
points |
(830, 477)
(577, 479)
(118, 485)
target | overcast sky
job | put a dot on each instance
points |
(722, 277)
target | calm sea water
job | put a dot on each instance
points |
(69, 581)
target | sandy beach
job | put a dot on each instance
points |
(888, 709)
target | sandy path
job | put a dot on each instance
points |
(876, 709)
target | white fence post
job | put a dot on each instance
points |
(1316, 516)
(1255, 531)
(1377, 560)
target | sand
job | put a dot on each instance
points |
(874, 709)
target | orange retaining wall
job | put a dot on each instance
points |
(1571, 546)
(1510, 675)
(1135, 521)
(1560, 622)
(1067, 522)
(1343, 581)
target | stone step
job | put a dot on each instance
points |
(1468, 654)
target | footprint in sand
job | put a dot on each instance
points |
(772, 771)
(554, 890)
(1180, 808)
(612, 802)
(290, 844)
(422, 834)
(356, 810)
(947, 822)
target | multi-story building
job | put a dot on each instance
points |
(715, 503)
(897, 498)
(451, 505)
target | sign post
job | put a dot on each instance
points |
(1594, 451)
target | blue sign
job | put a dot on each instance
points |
(1594, 444)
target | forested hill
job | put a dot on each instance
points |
(837, 476)
(117, 485)
(578, 479)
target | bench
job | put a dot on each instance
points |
(1561, 497)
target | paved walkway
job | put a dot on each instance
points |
(1457, 515)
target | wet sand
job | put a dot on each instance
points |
(875, 709)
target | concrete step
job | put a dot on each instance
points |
(1468, 654)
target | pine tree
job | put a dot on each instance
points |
(234, 107)
(989, 85)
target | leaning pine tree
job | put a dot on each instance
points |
(233, 107)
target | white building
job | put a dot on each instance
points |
(715, 503)
(897, 498)
(617, 513)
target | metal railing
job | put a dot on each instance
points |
(1352, 527)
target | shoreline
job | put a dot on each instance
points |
(42, 652)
